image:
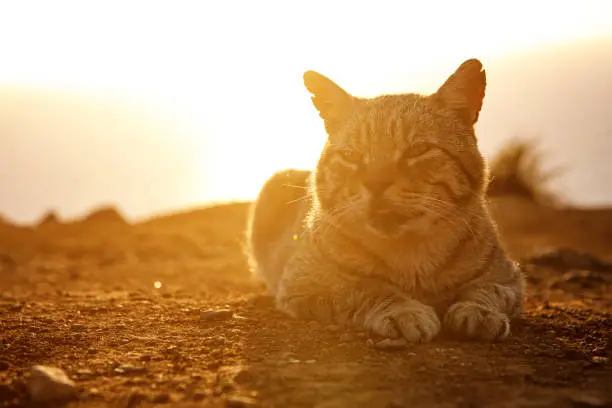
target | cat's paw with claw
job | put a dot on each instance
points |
(475, 321)
(407, 319)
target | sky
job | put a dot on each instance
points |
(158, 105)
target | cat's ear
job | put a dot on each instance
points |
(464, 90)
(332, 102)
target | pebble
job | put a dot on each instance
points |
(215, 315)
(599, 360)
(588, 401)
(199, 395)
(242, 377)
(135, 398)
(240, 402)
(50, 384)
(130, 369)
(287, 355)
(391, 344)
(163, 398)
(334, 328)
(145, 357)
(85, 372)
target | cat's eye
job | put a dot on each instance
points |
(416, 153)
(350, 156)
(417, 150)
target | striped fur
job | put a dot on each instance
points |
(393, 234)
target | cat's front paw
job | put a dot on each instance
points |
(411, 320)
(475, 321)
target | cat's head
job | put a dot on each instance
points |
(397, 163)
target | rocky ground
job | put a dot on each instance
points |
(165, 312)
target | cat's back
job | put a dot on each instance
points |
(276, 215)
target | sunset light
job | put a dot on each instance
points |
(360, 204)
(221, 82)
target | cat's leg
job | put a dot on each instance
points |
(311, 290)
(484, 308)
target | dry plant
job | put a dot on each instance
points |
(517, 170)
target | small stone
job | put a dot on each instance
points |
(226, 385)
(130, 369)
(15, 307)
(163, 398)
(370, 343)
(85, 372)
(199, 395)
(50, 384)
(599, 360)
(132, 355)
(391, 344)
(215, 315)
(287, 355)
(135, 398)
(244, 376)
(145, 357)
(588, 401)
(237, 401)
(346, 337)
(334, 328)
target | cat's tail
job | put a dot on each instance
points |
(271, 220)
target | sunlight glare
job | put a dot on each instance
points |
(235, 78)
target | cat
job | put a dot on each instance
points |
(390, 233)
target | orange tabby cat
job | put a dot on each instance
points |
(394, 236)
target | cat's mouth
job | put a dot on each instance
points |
(385, 220)
(388, 221)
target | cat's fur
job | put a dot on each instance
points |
(391, 232)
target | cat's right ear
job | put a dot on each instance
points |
(332, 102)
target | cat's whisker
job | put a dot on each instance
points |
(302, 198)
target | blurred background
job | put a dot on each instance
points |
(155, 106)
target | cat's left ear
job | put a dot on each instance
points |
(464, 91)
(332, 102)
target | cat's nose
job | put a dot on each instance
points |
(377, 186)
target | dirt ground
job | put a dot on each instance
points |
(124, 311)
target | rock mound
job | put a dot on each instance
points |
(106, 215)
(49, 219)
